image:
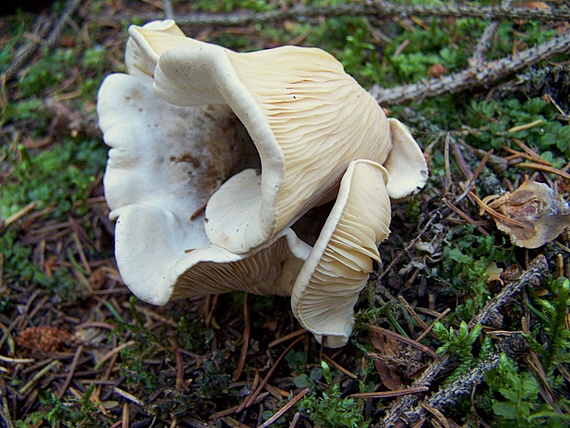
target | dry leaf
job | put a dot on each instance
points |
(437, 70)
(534, 215)
(494, 273)
(387, 370)
(385, 344)
(389, 374)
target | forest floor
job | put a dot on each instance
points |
(462, 324)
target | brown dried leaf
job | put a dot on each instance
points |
(389, 374)
(437, 70)
(494, 273)
(385, 344)
(538, 215)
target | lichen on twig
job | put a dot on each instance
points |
(376, 9)
(481, 75)
(448, 393)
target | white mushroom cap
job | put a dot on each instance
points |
(164, 163)
(339, 265)
(306, 116)
(157, 146)
(406, 163)
(154, 254)
(138, 63)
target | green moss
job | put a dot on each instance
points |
(60, 177)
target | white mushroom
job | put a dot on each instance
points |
(138, 63)
(164, 163)
(306, 116)
(339, 264)
(317, 134)
(406, 164)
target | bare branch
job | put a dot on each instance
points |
(537, 269)
(445, 396)
(449, 394)
(376, 9)
(478, 56)
(27, 51)
(483, 75)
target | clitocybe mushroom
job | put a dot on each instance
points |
(339, 264)
(406, 164)
(306, 116)
(318, 134)
(138, 63)
(165, 162)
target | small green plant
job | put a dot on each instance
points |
(466, 257)
(549, 137)
(359, 57)
(19, 266)
(296, 360)
(553, 314)
(514, 398)
(60, 177)
(68, 412)
(191, 334)
(219, 6)
(135, 370)
(331, 410)
(213, 379)
(458, 342)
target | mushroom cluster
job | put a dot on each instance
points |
(217, 156)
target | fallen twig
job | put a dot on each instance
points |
(449, 394)
(401, 408)
(376, 9)
(245, 344)
(478, 56)
(71, 372)
(284, 409)
(544, 168)
(339, 367)
(27, 52)
(406, 340)
(536, 270)
(251, 397)
(388, 394)
(482, 75)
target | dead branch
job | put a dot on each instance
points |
(449, 394)
(483, 75)
(478, 56)
(28, 50)
(376, 9)
(532, 275)
(401, 408)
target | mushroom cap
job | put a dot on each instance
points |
(406, 164)
(157, 261)
(306, 116)
(157, 146)
(339, 264)
(138, 63)
(165, 162)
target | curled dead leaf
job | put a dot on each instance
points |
(532, 215)
(384, 362)
(437, 70)
(494, 273)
